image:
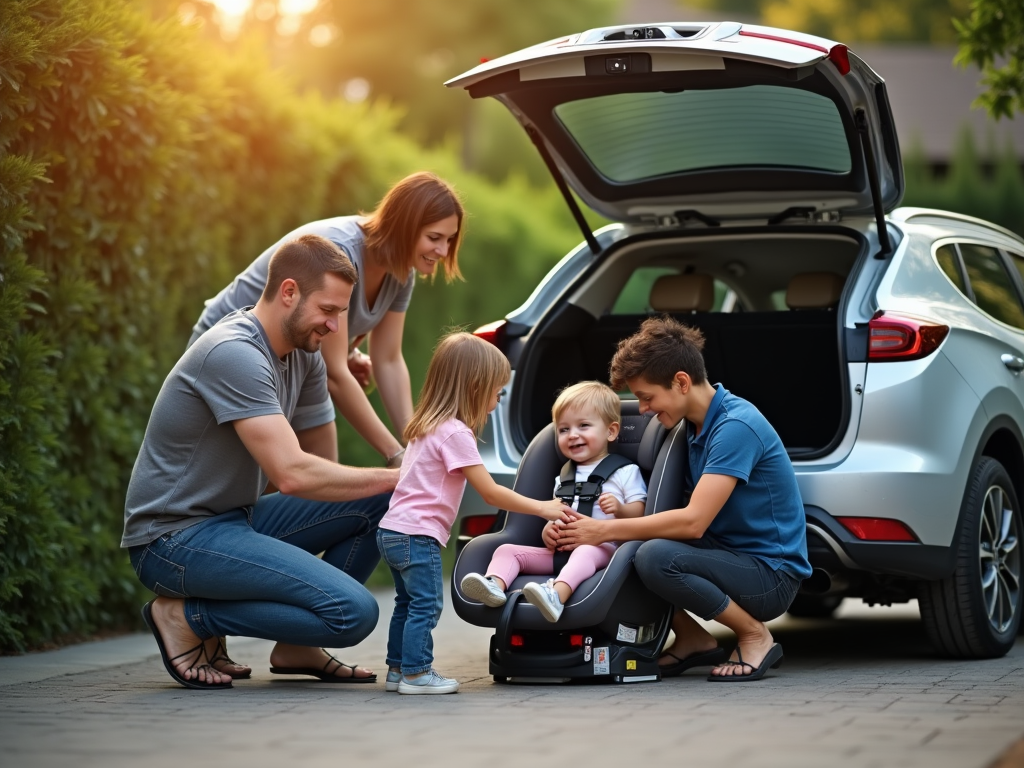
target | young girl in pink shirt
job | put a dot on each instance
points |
(463, 385)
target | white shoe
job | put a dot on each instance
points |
(429, 683)
(477, 587)
(393, 679)
(545, 598)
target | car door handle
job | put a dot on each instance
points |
(1014, 363)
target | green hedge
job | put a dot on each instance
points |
(140, 169)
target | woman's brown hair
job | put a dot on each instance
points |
(461, 379)
(393, 229)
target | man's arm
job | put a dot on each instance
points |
(272, 442)
(391, 372)
(689, 522)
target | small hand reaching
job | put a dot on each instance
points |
(554, 509)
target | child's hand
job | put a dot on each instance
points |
(554, 510)
(609, 505)
(549, 535)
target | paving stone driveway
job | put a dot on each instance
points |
(860, 691)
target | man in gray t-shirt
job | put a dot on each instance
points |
(223, 558)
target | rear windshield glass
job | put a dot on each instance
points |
(633, 136)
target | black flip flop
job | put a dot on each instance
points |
(323, 674)
(772, 660)
(197, 685)
(711, 658)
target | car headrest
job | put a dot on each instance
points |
(814, 290)
(683, 293)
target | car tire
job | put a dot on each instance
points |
(975, 612)
(814, 606)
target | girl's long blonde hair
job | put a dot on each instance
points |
(461, 379)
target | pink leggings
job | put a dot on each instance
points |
(509, 560)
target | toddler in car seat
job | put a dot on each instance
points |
(464, 383)
(586, 418)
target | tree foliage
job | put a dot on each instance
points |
(140, 169)
(992, 38)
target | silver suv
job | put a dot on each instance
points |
(754, 174)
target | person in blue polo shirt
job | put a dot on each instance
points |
(738, 551)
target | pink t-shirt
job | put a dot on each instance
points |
(431, 483)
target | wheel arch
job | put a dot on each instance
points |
(1003, 441)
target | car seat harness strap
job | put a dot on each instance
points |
(587, 493)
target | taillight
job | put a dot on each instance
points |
(902, 337)
(877, 529)
(493, 333)
(477, 525)
(840, 56)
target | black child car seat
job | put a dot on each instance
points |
(612, 628)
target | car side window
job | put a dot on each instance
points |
(950, 264)
(1018, 262)
(993, 289)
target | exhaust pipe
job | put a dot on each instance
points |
(821, 582)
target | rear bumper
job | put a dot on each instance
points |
(834, 549)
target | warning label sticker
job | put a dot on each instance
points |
(601, 661)
(626, 634)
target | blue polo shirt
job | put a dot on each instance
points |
(764, 515)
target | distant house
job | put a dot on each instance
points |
(930, 96)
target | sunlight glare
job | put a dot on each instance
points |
(355, 90)
(296, 7)
(322, 35)
(232, 7)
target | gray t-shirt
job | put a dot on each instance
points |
(192, 464)
(345, 232)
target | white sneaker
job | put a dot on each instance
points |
(545, 598)
(477, 587)
(429, 683)
(393, 679)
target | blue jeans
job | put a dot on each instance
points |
(257, 575)
(702, 578)
(415, 563)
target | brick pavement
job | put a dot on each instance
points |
(861, 691)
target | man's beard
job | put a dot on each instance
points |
(300, 336)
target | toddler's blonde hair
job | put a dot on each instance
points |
(461, 379)
(588, 394)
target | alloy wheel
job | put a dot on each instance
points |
(1000, 557)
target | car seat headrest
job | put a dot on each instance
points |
(683, 293)
(640, 436)
(814, 290)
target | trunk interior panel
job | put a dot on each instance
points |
(787, 362)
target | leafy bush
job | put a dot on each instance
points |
(140, 169)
